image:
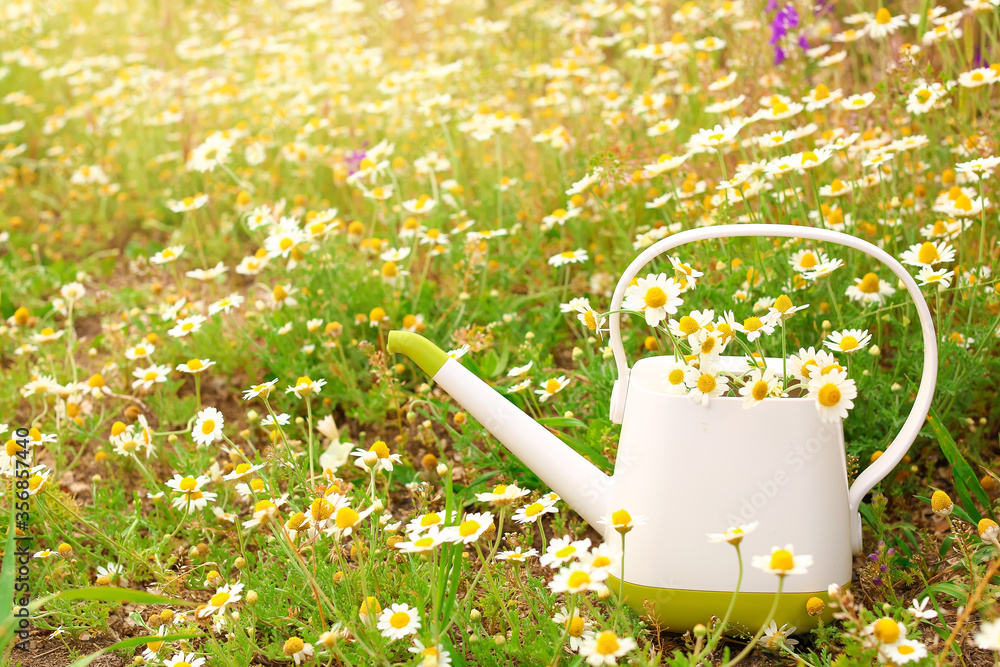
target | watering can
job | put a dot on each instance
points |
(692, 469)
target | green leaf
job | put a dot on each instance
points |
(112, 594)
(966, 481)
(132, 643)
(561, 422)
(7, 581)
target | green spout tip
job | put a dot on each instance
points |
(424, 353)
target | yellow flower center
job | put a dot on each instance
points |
(829, 395)
(759, 391)
(821, 92)
(35, 482)
(293, 646)
(783, 304)
(578, 578)
(848, 343)
(869, 284)
(262, 505)
(182, 663)
(676, 376)
(219, 599)
(296, 521)
(399, 620)
(279, 293)
(906, 649)
(882, 16)
(809, 156)
(688, 325)
(552, 386)
(706, 383)
(607, 643)
(188, 484)
(574, 626)
(380, 449)
(430, 519)
(150, 376)
(534, 509)
(655, 297)
(566, 551)
(782, 560)
(207, 426)
(500, 489)
(257, 485)
(808, 260)
(424, 542)
(886, 630)
(96, 380)
(601, 561)
(321, 509)
(12, 448)
(963, 203)
(130, 446)
(752, 323)
(621, 518)
(347, 518)
(154, 646)
(468, 528)
(590, 320)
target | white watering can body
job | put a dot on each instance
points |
(693, 469)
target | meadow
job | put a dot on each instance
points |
(214, 212)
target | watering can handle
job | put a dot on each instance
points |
(897, 449)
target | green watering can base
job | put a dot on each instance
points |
(680, 610)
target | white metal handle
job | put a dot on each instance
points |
(897, 449)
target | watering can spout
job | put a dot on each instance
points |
(576, 480)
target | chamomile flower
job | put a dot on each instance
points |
(182, 659)
(305, 386)
(502, 494)
(783, 562)
(552, 387)
(431, 655)
(187, 325)
(706, 382)
(869, 289)
(834, 394)
(577, 629)
(655, 296)
(167, 255)
(195, 366)
(262, 389)
(224, 596)
(517, 555)
(568, 257)
(147, 378)
(399, 621)
(848, 340)
(754, 327)
(471, 528)
(675, 376)
(564, 549)
(425, 541)
(604, 648)
(578, 578)
(207, 427)
(518, 371)
(928, 253)
(733, 535)
(376, 457)
(534, 511)
(622, 521)
(940, 277)
(775, 638)
(139, 351)
(191, 496)
(760, 385)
